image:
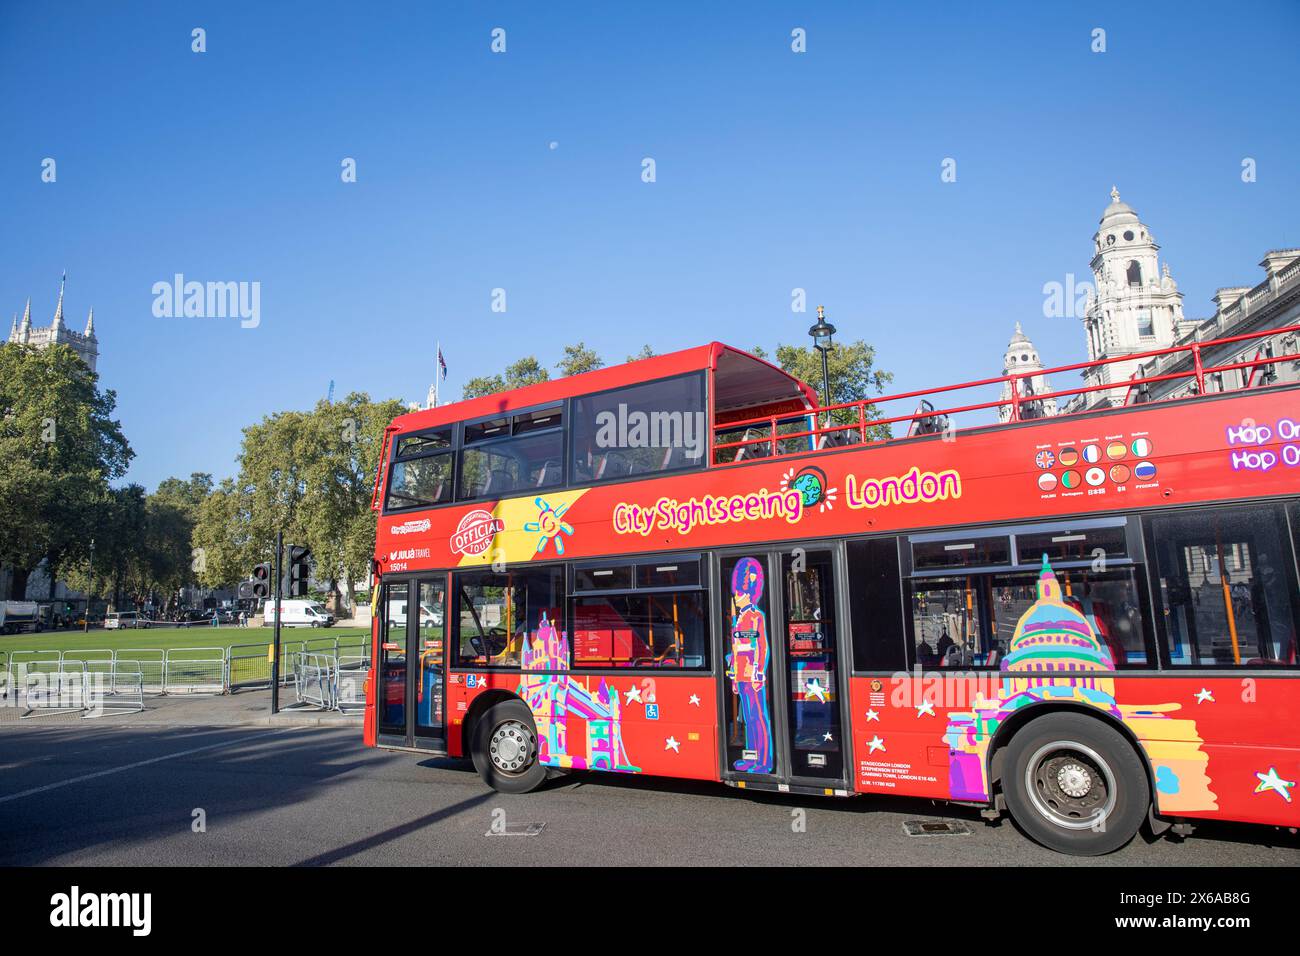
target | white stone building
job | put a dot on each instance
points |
(1021, 357)
(85, 344)
(1137, 308)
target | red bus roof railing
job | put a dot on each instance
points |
(866, 411)
(381, 470)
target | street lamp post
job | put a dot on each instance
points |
(822, 334)
(85, 618)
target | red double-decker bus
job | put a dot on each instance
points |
(686, 566)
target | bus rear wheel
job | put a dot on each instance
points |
(504, 748)
(1075, 785)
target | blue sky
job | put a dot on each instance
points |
(522, 171)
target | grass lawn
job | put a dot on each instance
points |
(167, 638)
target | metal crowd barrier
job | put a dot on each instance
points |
(328, 672)
(350, 682)
(70, 687)
(314, 679)
(197, 670)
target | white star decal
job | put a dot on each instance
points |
(1203, 696)
(632, 695)
(672, 744)
(694, 699)
(874, 744)
(827, 736)
(814, 689)
(872, 715)
(1271, 781)
(925, 707)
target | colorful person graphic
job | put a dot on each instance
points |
(747, 665)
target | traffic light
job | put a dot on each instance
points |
(262, 580)
(245, 592)
(296, 570)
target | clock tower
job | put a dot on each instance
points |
(1137, 306)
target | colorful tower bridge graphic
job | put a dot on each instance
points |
(555, 698)
(1055, 656)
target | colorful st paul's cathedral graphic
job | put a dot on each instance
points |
(1054, 656)
(747, 665)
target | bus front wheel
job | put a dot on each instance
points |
(1075, 785)
(504, 748)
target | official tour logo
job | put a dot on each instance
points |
(475, 532)
(415, 526)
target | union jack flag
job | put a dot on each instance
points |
(442, 363)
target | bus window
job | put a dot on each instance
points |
(946, 625)
(1226, 583)
(642, 429)
(650, 615)
(420, 482)
(496, 612)
(512, 455)
(422, 470)
(876, 605)
(1110, 600)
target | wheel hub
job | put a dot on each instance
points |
(1071, 785)
(511, 747)
(1074, 781)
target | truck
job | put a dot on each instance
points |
(18, 616)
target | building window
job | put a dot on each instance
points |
(1145, 325)
(638, 430)
(876, 605)
(1225, 578)
(496, 612)
(512, 454)
(1134, 274)
(653, 613)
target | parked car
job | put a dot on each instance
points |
(122, 619)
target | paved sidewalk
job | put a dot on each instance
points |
(251, 708)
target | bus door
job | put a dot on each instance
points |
(782, 695)
(412, 691)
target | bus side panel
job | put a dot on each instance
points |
(1219, 746)
(658, 724)
(899, 750)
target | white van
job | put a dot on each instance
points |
(298, 614)
(120, 619)
(430, 614)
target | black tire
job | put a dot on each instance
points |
(504, 748)
(1075, 784)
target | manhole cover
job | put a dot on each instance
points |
(516, 829)
(919, 828)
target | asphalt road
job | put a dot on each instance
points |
(110, 796)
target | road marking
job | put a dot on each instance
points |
(130, 766)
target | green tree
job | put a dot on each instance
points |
(577, 359)
(526, 371)
(59, 449)
(309, 474)
(645, 353)
(853, 375)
